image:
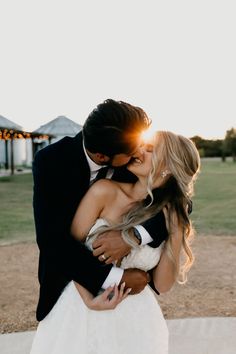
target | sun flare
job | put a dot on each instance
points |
(148, 134)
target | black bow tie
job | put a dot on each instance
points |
(102, 173)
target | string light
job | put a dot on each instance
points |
(7, 134)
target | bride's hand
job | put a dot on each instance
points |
(108, 300)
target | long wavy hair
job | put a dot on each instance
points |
(178, 158)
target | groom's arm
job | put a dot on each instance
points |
(153, 231)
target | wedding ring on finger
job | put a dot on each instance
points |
(103, 257)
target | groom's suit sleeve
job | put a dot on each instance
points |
(156, 228)
(56, 197)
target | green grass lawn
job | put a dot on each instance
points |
(215, 198)
(16, 216)
(214, 209)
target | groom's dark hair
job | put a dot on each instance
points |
(114, 127)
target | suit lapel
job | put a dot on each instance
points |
(82, 171)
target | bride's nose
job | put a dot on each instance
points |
(139, 152)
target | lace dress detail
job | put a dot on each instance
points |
(136, 325)
(143, 257)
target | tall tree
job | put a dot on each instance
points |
(208, 148)
(230, 142)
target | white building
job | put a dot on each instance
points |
(18, 145)
(24, 149)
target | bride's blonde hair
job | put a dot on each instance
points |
(177, 158)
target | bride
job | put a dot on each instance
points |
(128, 324)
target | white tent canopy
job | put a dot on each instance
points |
(13, 145)
(60, 126)
(8, 124)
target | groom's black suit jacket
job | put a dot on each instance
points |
(61, 178)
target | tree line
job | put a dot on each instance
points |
(217, 148)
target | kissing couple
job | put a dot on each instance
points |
(112, 219)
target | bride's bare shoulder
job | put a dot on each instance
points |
(105, 187)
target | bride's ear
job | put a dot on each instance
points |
(162, 175)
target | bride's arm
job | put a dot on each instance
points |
(88, 211)
(164, 275)
(101, 194)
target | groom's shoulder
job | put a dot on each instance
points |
(58, 150)
(62, 144)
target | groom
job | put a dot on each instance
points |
(63, 172)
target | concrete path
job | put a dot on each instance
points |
(213, 335)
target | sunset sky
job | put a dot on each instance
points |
(176, 59)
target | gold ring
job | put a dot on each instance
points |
(103, 257)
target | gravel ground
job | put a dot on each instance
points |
(210, 290)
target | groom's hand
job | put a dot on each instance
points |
(110, 247)
(135, 279)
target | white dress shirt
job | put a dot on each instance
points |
(116, 273)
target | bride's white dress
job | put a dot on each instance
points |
(136, 325)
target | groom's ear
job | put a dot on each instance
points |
(102, 158)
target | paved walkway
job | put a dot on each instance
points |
(213, 335)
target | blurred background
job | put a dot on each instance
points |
(176, 60)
